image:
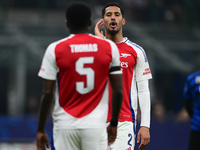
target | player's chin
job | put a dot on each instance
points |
(113, 32)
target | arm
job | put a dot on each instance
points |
(144, 102)
(116, 84)
(97, 29)
(45, 108)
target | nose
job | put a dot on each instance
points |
(113, 16)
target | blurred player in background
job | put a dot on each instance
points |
(80, 66)
(136, 73)
(192, 105)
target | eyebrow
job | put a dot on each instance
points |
(113, 12)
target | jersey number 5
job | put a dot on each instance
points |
(89, 72)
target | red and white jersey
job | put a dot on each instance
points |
(81, 64)
(135, 67)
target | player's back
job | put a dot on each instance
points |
(84, 62)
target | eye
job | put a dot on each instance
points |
(117, 14)
(108, 14)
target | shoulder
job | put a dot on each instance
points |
(51, 47)
(138, 49)
(134, 45)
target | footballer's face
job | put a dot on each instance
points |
(113, 20)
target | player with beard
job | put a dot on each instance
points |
(136, 73)
(73, 67)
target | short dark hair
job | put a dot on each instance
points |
(78, 14)
(113, 4)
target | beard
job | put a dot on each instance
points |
(112, 32)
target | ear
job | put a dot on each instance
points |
(123, 21)
(89, 23)
(67, 24)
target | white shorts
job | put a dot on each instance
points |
(125, 137)
(80, 139)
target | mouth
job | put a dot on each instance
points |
(113, 24)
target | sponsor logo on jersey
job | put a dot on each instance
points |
(128, 148)
(80, 48)
(124, 64)
(147, 71)
(124, 55)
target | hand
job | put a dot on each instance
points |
(42, 141)
(97, 29)
(112, 134)
(144, 136)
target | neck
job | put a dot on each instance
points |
(78, 31)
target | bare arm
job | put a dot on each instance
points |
(45, 108)
(116, 83)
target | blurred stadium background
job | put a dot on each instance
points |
(169, 31)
